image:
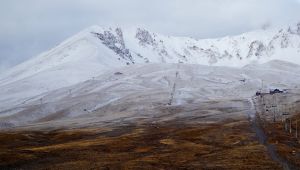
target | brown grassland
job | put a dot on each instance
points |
(171, 145)
(287, 145)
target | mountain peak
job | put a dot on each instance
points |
(96, 49)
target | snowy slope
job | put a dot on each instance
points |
(145, 91)
(96, 50)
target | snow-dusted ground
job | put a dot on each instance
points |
(143, 93)
(77, 78)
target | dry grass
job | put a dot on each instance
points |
(287, 145)
(175, 145)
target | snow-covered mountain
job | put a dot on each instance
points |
(97, 51)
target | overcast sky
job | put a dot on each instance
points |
(29, 27)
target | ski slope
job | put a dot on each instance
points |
(145, 90)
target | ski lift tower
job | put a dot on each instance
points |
(285, 117)
(274, 106)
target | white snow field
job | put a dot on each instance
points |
(114, 74)
(152, 92)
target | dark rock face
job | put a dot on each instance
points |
(189, 50)
(144, 37)
(284, 40)
(256, 49)
(295, 29)
(116, 43)
(147, 39)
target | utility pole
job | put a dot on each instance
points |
(290, 125)
(285, 121)
(296, 129)
(284, 112)
(263, 98)
(274, 113)
(277, 106)
(274, 105)
(285, 125)
(291, 108)
(264, 104)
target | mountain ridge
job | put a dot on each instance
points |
(96, 50)
(138, 45)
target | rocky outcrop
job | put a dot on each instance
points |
(116, 43)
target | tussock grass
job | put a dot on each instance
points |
(175, 145)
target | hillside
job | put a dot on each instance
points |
(96, 54)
